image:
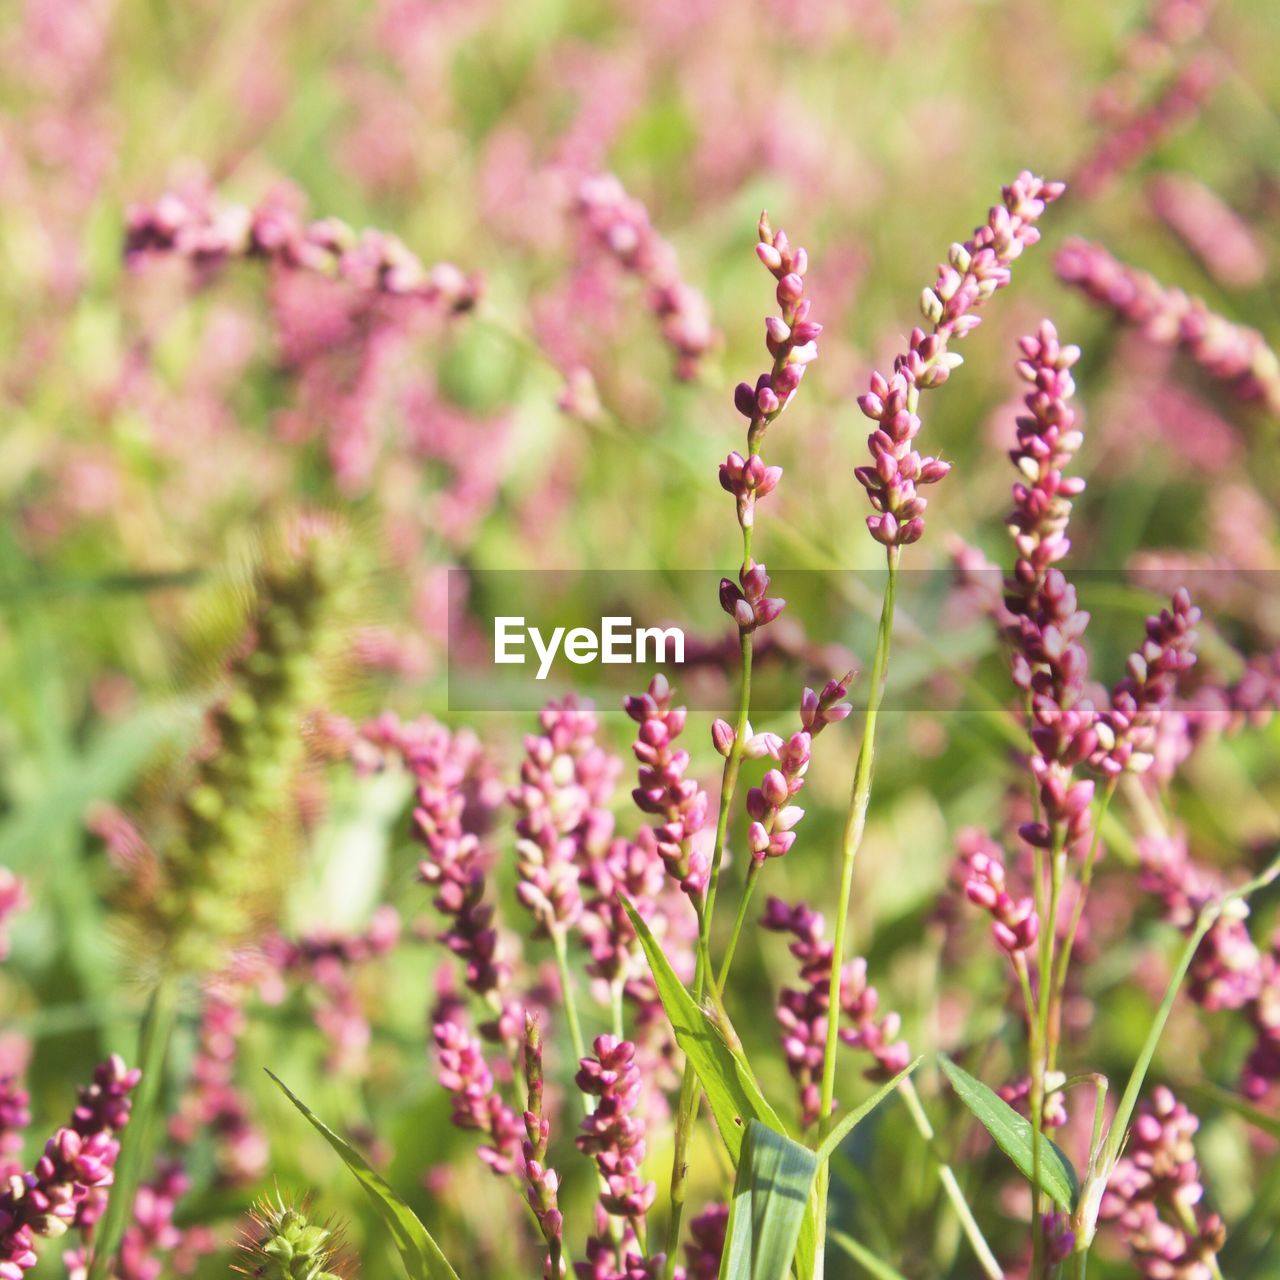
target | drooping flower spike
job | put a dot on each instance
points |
(972, 273)
(1230, 352)
(620, 224)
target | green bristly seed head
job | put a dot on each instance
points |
(288, 1246)
(225, 853)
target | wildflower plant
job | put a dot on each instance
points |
(638, 971)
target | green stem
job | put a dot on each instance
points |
(1044, 1045)
(753, 874)
(1189, 1224)
(728, 784)
(135, 1142)
(973, 1233)
(1077, 911)
(560, 945)
(615, 1004)
(855, 826)
(686, 1114)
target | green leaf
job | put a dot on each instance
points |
(418, 1251)
(863, 1256)
(726, 1078)
(855, 1117)
(771, 1194)
(1012, 1134)
(135, 1144)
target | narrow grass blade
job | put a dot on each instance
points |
(1091, 1201)
(731, 1089)
(1012, 1134)
(135, 1142)
(855, 1117)
(771, 1194)
(863, 1256)
(418, 1251)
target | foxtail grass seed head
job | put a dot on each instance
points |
(216, 872)
(283, 1243)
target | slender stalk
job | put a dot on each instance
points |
(135, 1142)
(1043, 1048)
(560, 945)
(1188, 1220)
(686, 1114)
(973, 1233)
(728, 783)
(615, 1004)
(855, 826)
(1077, 912)
(753, 875)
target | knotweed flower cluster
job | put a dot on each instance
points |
(619, 224)
(802, 1011)
(542, 1182)
(153, 1237)
(1049, 664)
(1127, 731)
(1015, 923)
(1155, 1196)
(565, 782)
(195, 225)
(1223, 242)
(213, 1103)
(792, 342)
(773, 816)
(747, 604)
(612, 1134)
(1134, 133)
(67, 1186)
(344, 307)
(705, 1250)
(1229, 352)
(972, 273)
(455, 862)
(13, 898)
(15, 1115)
(327, 960)
(477, 1104)
(1228, 971)
(663, 789)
